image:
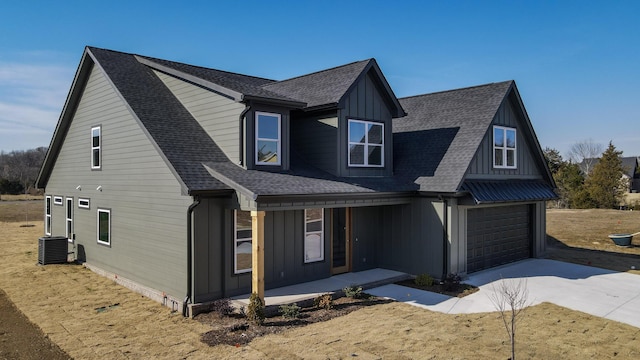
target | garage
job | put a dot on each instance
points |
(498, 235)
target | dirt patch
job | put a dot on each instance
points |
(28, 211)
(235, 330)
(461, 290)
(21, 339)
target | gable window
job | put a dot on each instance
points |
(313, 235)
(268, 140)
(96, 137)
(70, 219)
(366, 143)
(504, 147)
(47, 215)
(242, 246)
(104, 227)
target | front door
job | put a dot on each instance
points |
(340, 244)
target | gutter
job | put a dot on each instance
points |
(188, 297)
(242, 135)
(445, 238)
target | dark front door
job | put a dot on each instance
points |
(340, 241)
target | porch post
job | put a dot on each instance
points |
(257, 253)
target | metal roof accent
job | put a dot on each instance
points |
(487, 192)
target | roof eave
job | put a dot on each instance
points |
(280, 102)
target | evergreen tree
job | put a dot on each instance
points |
(570, 182)
(605, 185)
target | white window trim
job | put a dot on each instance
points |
(99, 148)
(108, 243)
(235, 245)
(279, 154)
(81, 205)
(504, 148)
(47, 215)
(69, 221)
(365, 144)
(320, 233)
(57, 200)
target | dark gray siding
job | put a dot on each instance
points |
(250, 140)
(148, 212)
(527, 168)
(218, 115)
(364, 102)
(315, 138)
(284, 251)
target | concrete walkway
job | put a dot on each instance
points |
(604, 293)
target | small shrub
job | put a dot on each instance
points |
(353, 291)
(424, 280)
(324, 301)
(290, 311)
(451, 282)
(222, 307)
(255, 310)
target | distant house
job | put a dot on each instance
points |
(181, 179)
(631, 175)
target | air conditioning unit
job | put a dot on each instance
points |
(52, 250)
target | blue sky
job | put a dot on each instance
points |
(576, 63)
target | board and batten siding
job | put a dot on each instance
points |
(283, 258)
(148, 212)
(217, 114)
(316, 139)
(481, 166)
(364, 102)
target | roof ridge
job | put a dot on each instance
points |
(459, 89)
(321, 71)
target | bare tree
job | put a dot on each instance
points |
(510, 298)
(585, 154)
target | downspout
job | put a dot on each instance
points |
(445, 238)
(187, 298)
(242, 134)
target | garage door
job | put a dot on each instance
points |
(497, 235)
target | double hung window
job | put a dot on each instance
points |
(366, 143)
(504, 147)
(268, 139)
(242, 246)
(96, 145)
(47, 215)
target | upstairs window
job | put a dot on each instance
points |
(96, 142)
(313, 235)
(504, 147)
(366, 143)
(268, 140)
(242, 246)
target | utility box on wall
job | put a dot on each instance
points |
(52, 250)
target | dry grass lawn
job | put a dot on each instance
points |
(62, 300)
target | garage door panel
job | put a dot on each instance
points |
(497, 235)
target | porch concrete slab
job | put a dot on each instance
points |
(310, 290)
(605, 293)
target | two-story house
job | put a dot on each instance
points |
(188, 180)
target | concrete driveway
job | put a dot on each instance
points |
(605, 293)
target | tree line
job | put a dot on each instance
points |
(19, 170)
(590, 178)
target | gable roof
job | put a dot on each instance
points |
(437, 140)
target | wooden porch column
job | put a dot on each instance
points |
(257, 253)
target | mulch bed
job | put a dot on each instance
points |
(236, 330)
(462, 290)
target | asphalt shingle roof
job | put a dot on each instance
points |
(437, 140)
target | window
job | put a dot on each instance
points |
(83, 203)
(95, 147)
(47, 215)
(504, 147)
(242, 242)
(267, 139)
(70, 219)
(104, 227)
(366, 143)
(313, 235)
(57, 200)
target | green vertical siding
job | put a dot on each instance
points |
(148, 229)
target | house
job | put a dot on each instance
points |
(630, 176)
(179, 179)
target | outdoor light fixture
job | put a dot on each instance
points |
(79, 187)
(99, 188)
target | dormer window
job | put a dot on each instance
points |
(504, 147)
(366, 143)
(268, 139)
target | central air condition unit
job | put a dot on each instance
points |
(52, 250)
